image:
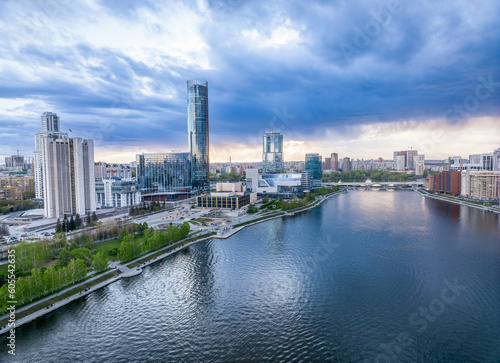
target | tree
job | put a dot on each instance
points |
(99, 262)
(83, 254)
(71, 225)
(65, 223)
(94, 218)
(64, 256)
(89, 219)
(78, 221)
(59, 227)
(252, 209)
(4, 230)
(185, 228)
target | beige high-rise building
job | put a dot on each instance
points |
(481, 184)
(68, 176)
(419, 161)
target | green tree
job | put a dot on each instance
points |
(185, 228)
(94, 218)
(71, 225)
(83, 254)
(64, 256)
(99, 262)
(59, 227)
(89, 219)
(4, 230)
(65, 224)
(78, 221)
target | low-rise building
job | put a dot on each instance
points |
(226, 200)
(275, 183)
(115, 192)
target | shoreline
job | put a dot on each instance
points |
(457, 201)
(136, 270)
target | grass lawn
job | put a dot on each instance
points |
(108, 245)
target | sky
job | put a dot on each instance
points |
(361, 78)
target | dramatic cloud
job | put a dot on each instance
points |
(360, 78)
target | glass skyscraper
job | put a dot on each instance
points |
(197, 99)
(272, 153)
(313, 165)
(164, 172)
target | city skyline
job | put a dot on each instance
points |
(391, 77)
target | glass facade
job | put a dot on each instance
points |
(223, 202)
(272, 153)
(164, 172)
(313, 165)
(197, 99)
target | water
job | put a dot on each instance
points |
(338, 283)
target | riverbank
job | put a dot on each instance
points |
(451, 199)
(134, 267)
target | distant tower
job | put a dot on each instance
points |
(51, 129)
(197, 99)
(272, 153)
(335, 161)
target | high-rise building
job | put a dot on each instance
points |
(272, 153)
(68, 176)
(50, 128)
(197, 98)
(327, 164)
(346, 164)
(419, 161)
(14, 161)
(400, 161)
(335, 161)
(496, 159)
(410, 157)
(313, 165)
(481, 185)
(165, 175)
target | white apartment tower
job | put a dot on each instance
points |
(51, 129)
(68, 176)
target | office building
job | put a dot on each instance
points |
(197, 98)
(496, 160)
(115, 192)
(272, 153)
(68, 176)
(51, 129)
(285, 183)
(164, 176)
(313, 165)
(335, 162)
(108, 170)
(482, 185)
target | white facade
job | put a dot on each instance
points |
(273, 183)
(400, 162)
(108, 170)
(231, 187)
(496, 160)
(50, 128)
(68, 176)
(117, 193)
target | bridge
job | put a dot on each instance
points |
(380, 185)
